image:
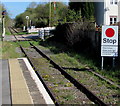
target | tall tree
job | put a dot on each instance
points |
(86, 8)
(39, 15)
(32, 5)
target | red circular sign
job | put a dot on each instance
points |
(110, 32)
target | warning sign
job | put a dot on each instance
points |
(109, 51)
(109, 42)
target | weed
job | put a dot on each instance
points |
(68, 97)
(9, 50)
(68, 84)
(65, 56)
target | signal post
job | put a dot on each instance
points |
(3, 24)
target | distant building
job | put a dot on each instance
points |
(107, 12)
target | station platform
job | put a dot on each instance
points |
(20, 84)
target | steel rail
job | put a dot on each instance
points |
(103, 78)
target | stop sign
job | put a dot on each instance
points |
(109, 41)
(110, 32)
(109, 35)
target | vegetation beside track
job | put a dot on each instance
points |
(41, 67)
(66, 56)
(63, 55)
(81, 74)
(9, 50)
(76, 63)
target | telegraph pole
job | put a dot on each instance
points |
(54, 11)
(50, 13)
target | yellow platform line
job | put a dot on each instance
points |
(19, 89)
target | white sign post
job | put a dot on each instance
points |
(27, 17)
(109, 42)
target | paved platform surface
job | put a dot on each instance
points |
(20, 92)
(0, 82)
(20, 84)
(6, 98)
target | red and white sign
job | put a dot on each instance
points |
(109, 42)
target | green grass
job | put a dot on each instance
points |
(111, 74)
(22, 33)
(34, 33)
(65, 53)
(68, 97)
(7, 33)
(9, 50)
(66, 56)
(25, 44)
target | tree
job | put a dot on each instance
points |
(86, 8)
(19, 21)
(39, 15)
(32, 5)
(73, 16)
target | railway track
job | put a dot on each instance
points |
(77, 84)
(90, 70)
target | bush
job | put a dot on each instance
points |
(73, 33)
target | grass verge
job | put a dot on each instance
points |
(9, 50)
(66, 56)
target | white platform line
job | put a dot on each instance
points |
(39, 84)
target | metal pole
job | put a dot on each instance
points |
(113, 62)
(27, 24)
(3, 27)
(27, 18)
(54, 11)
(50, 13)
(30, 24)
(102, 63)
(2, 30)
